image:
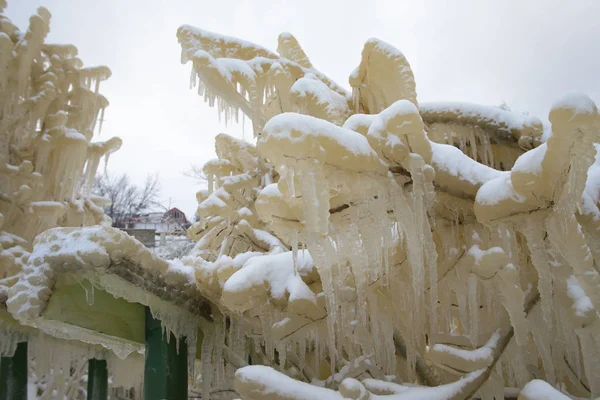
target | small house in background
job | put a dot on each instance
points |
(171, 222)
(176, 215)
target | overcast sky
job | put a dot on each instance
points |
(524, 53)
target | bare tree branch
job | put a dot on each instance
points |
(127, 199)
(195, 173)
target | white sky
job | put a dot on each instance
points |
(524, 52)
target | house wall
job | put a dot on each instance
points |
(146, 236)
(159, 227)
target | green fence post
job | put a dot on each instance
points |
(13, 375)
(165, 369)
(97, 387)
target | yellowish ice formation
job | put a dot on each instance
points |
(369, 243)
(50, 106)
(367, 246)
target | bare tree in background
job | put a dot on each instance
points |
(196, 174)
(127, 199)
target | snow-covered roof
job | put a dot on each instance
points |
(116, 262)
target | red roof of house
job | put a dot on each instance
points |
(175, 209)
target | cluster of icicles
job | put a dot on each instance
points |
(406, 281)
(58, 368)
(49, 108)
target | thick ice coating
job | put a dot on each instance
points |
(383, 76)
(50, 109)
(449, 246)
(297, 136)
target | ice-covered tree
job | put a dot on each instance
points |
(366, 246)
(50, 108)
(371, 245)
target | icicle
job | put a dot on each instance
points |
(218, 380)
(541, 338)
(405, 215)
(519, 366)
(358, 262)
(565, 346)
(322, 252)
(317, 351)
(88, 288)
(410, 336)
(106, 157)
(282, 352)
(473, 309)
(445, 310)
(290, 182)
(462, 292)
(206, 350)
(533, 232)
(97, 87)
(356, 99)
(331, 325)
(193, 78)
(315, 197)
(590, 349)
(302, 353)
(89, 295)
(557, 341)
(489, 298)
(473, 143)
(382, 332)
(191, 340)
(431, 257)
(210, 178)
(513, 301)
(294, 240)
(101, 120)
